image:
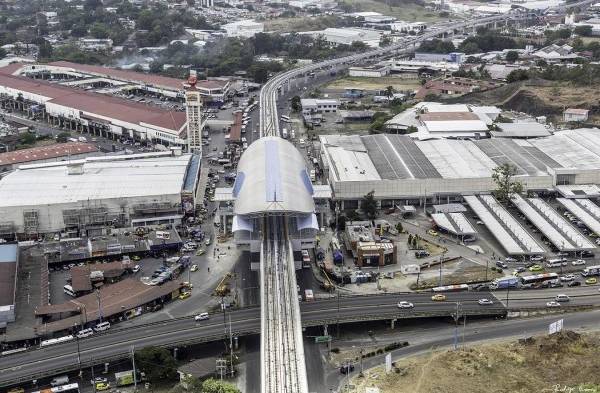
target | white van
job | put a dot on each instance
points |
(58, 381)
(201, 317)
(69, 290)
(85, 333)
(102, 326)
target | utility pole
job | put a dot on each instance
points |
(134, 370)
(338, 314)
(456, 326)
(99, 304)
(78, 355)
(230, 346)
(93, 377)
(487, 263)
(440, 271)
(507, 292)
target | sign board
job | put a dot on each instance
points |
(163, 235)
(555, 327)
(322, 339)
(388, 362)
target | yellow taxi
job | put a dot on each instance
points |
(185, 295)
(591, 281)
(438, 297)
(100, 386)
(432, 232)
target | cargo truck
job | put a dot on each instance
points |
(505, 282)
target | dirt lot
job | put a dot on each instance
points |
(403, 10)
(373, 84)
(563, 362)
(539, 97)
(464, 271)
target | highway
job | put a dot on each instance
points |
(117, 343)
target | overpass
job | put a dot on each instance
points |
(117, 342)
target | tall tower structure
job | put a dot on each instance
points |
(193, 109)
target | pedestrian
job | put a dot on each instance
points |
(209, 269)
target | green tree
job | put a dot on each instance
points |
(399, 227)
(512, 56)
(156, 67)
(78, 30)
(389, 91)
(99, 30)
(63, 137)
(506, 186)
(369, 205)
(585, 30)
(158, 363)
(296, 104)
(216, 386)
(517, 75)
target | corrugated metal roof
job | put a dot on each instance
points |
(46, 152)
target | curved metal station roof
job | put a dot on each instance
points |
(272, 178)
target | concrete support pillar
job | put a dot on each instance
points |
(393, 323)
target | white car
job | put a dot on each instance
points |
(553, 304)
(510, 259)
(578, 262)
(404, 304)
(568, 277)
(536, 258)
(136, 268)
(201, 317)
(485, 302)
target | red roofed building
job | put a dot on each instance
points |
(210, 90)
(58, 152)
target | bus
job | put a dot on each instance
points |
(58, 340)
(591, 271)
(68, 388)
(451, 288)
(284, 133)
(539, 278)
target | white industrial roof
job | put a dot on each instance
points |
(436, 107)
(458, 125)
(586, 211)
(272, 177)
(579, 191)
(520, 130)
(457, 159)
(352, 165)
(100, 179)
(573, 148)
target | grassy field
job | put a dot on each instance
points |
(565, 361)
(299, 23)
(374, 83)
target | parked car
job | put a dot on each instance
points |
(194, 268)
(578, 262)
(432, 232)
(536, 258)
(136, 268)
(184, 295)
(510, 259)
(574, 284)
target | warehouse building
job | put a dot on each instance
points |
(91, 113)
(52, 153)
(86, 196)
(400, 169)
(8, 283)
